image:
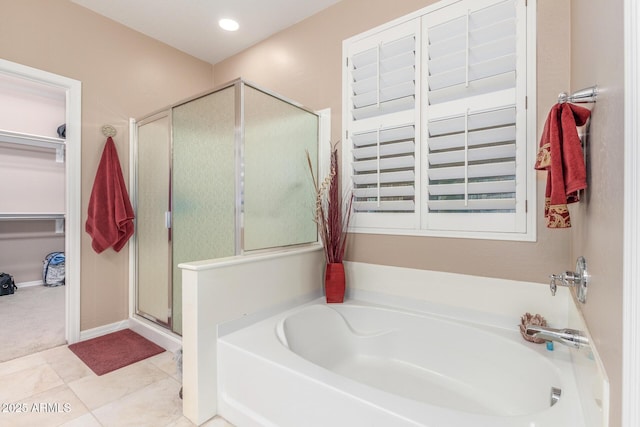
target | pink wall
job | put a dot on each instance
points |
(31, 181)
(24, 244)
(28, 107)
(597, 57)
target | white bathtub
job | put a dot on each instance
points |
(359, 364)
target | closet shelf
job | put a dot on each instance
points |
(30, 216)
(28, 139)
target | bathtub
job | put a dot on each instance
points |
(363, 364)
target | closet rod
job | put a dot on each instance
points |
(28, 235)
(28, 139)
(29, 216)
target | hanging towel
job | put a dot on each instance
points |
(110, 215)
(560, 153)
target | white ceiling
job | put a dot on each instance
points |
(192, 25)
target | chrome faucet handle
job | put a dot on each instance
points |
(553, 286)
(569, 278)
(578, 279)
(564, 279)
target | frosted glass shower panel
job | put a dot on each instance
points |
(278, 191)
(203, 189)
(153, 245)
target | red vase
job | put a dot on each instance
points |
(334, 282)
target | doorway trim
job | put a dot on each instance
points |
(73, 179)
(631, 249)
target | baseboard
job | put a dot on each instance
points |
(164, 338)
(103, 330)
(29, 284)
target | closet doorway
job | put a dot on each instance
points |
(59, 217)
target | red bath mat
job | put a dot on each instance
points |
(114, 351)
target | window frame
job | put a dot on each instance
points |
(416, 223)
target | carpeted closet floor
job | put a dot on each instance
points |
(32, 320)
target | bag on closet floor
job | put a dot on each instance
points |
(53, 269)
(7, 285)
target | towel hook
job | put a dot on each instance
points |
(108, 131)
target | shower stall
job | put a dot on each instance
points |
(221, 174)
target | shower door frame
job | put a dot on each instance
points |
(134, 254)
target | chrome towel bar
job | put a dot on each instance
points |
(582, 96)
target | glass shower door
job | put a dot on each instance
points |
(153, 291)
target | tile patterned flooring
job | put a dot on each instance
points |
(55, 388)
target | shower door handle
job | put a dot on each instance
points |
(167, 223)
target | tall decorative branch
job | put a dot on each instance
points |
(329, 215)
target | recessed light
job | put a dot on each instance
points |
(228, 24)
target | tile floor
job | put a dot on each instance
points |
(55, 388)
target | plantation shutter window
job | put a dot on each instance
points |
(444, 145)
(381, 114)
(473, 160)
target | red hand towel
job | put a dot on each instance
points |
(560, 153)
(110, 215)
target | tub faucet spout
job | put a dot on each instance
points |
(569, 337)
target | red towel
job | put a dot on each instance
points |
(110, 215)
(560, 154)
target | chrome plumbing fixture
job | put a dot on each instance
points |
(569, 337)
(578, 279)
(586, 95)
(555, 395)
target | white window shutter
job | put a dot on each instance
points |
(383, 78)
(380, 152)
(475, 133)
(383, 170)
